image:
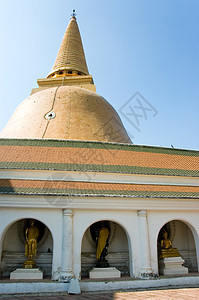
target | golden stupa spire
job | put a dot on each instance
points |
(71, 58)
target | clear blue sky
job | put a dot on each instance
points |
(131, 45)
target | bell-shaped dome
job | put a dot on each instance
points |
(66, 112)
(65, 105)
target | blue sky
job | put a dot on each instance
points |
(150, 47)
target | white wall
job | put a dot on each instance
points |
(127, 220)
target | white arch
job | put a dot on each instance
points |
(157, 220)
(193, 231)
(184, 220)
(125, 223)
(116, 222)
(111, 220)
(4, 231)
(13, 223)
(52, 220)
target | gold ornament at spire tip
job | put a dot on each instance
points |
(74, 14)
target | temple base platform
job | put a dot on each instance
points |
(26, 274)
(110, 272)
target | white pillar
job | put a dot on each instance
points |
(67, 246)
(1, 245)
(145, 261)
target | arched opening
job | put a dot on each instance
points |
(181, 239)
(13, 248)
(117, 248)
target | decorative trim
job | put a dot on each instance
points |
(68, 213)
(66, 80)
(172, 230)
(142, 213)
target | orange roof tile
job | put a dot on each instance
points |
(97, 157)
(15, 186)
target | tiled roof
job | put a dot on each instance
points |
(97, 157)
(68, 188)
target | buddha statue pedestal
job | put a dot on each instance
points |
(110, 272)
(171, 262)
(29, 264)
(26, 274)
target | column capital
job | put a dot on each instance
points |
(68, 212)
(142, 213)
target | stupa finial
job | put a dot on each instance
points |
(73, 14)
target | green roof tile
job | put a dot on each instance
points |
(95, 145)
(98, 168)
(93, 193)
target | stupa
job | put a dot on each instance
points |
(68, 166)
(66, 105)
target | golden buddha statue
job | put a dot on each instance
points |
(31, 236)
(103, 236)
(102, 239)
(166, 247)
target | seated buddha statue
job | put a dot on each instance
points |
(166, 247)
